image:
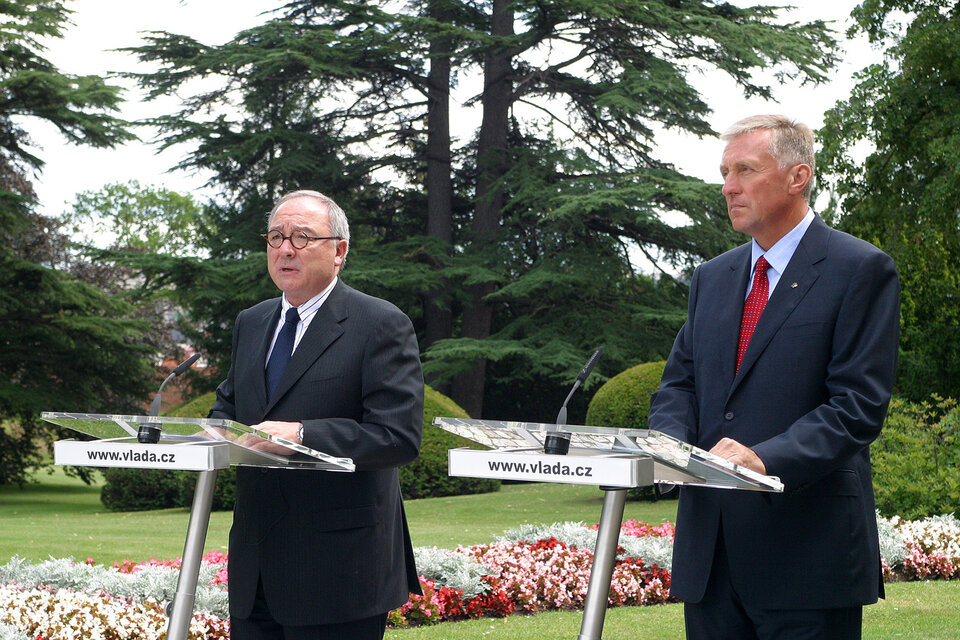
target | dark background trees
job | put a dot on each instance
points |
(65, 343)
(509, 231)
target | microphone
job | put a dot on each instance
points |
(150, 433)
(559, 443)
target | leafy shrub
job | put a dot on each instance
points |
(624, 402)
(428, 476)
(141, 489)
(916, 459)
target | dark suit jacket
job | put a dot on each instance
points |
(809, 398)
(330, 547)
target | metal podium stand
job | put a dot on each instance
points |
(613, 459)
(189, 444)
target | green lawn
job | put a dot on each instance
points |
(60, 516)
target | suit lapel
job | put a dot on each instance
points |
(729, 314)
(324, 330)
(799, 276)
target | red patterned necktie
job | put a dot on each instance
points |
(753, 307)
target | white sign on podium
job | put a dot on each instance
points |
(191, 444)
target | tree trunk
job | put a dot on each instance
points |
(438, 318)
(468, 388)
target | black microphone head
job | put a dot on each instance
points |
(186, 364)
(591, 363)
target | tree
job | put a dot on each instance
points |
(905, 197)
(550, 195)
(132, 216)
(64, 344)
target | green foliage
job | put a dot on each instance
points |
(140, 489)
(64, 344)
(905, 196)
(623, 402)
(916, 459)
(131, 216)
(551, 196)
(428, 475)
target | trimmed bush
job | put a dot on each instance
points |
(425, 477)
(624, 402)
(916, 459)
(428, 476)
(141, 489)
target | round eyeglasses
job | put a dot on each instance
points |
(298, 239)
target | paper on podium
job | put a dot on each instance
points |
(185, 431)
(676, 462)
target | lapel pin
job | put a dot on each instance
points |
(793, 286)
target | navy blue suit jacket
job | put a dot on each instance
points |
(809, 398)
(329, 547)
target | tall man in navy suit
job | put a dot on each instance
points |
(313, 554)
(785, 365)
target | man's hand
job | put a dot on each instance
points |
(286, 430)
(735, 452)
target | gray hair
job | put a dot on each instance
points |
(338, 219)
(791, 142)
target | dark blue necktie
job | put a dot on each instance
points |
(282, 350)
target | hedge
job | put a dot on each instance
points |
(143, 489)
(624, 402)
(916, 459)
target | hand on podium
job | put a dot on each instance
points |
(731, 450)
(286, 430)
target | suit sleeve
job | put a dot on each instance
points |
(389, 432)
(859, 381)
(673, 407)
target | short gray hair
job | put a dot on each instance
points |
(791, 142)
(339, 226)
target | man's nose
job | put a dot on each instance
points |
(729, 185)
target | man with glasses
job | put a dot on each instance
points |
(785, 365)
(321, 555)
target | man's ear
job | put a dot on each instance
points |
(800, 176)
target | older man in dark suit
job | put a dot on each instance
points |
(314, 554)
(785, 365)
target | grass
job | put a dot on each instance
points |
(60, 516)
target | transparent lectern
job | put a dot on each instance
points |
(189, 444)
(613, 459)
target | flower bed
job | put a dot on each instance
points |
(527, 570)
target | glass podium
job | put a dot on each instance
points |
(613, 459)
(203, 445)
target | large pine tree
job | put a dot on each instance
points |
(504, 221)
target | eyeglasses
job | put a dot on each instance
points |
(298, 239)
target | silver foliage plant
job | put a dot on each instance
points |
(444, 567)
(651, 549)
(892, 547)
(10, 633)
(148, 583)
(454, 570)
